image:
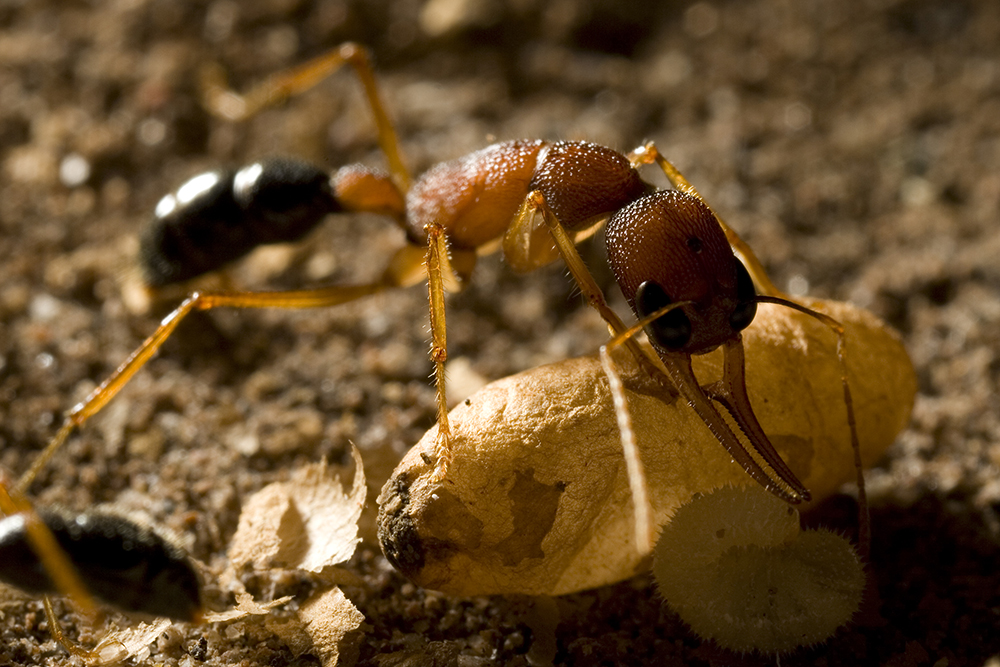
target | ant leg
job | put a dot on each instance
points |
(79, 414)
(437, 265)
(224, 102)
(633, 464)
(534, 202)
(445, 270)
(95, 655)
(649, 154)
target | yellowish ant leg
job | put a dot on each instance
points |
(55, 629)
(310, 298)
(535, 201)
(437, 267)
(633, 463)
(527, 246)
(230, 105)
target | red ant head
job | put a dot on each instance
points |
(668, 247)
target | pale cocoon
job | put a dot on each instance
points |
(537, 501)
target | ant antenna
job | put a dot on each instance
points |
(633, 463)
(864, 515)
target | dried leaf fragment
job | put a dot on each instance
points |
(125, 643)
(245, 606)
(309, 522)
(326, 626)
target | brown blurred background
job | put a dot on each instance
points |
(855, 145)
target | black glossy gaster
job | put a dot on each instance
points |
(221, 215)
(124, 564)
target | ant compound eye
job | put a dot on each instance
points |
(746, 307)
(671, 330)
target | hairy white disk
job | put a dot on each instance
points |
(735, 566)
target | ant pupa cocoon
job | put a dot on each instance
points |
(538, 500)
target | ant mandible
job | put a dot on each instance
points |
(533, 199)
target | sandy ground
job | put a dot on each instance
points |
(854, 144)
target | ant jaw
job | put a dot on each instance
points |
(760, 460)
(731, 393)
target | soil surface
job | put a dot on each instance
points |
(855, 145)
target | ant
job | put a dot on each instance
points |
(532, 199)
(94, 554)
